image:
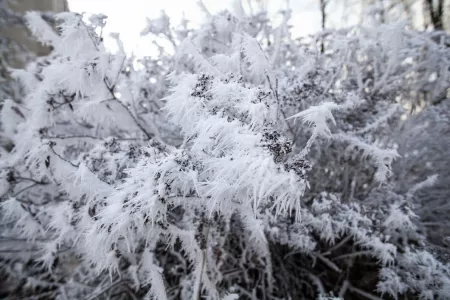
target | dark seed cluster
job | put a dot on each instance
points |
(278, 146)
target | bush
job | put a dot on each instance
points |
(249, 164)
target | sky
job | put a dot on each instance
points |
(128, 17)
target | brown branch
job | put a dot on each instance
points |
(110, 88)
(51, 144)
(114, 98)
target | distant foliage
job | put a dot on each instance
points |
(11, 53)
(246, 165)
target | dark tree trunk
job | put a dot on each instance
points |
(323, 6)
(436, 13)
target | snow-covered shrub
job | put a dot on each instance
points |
(246, 165)
(424, 168)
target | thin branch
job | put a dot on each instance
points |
(275, 92)
(110, 88)
(338, 245)
(202, 267)
(111, 91)
(245, 292)
(329, 263)
(27, 188)
(17, 250)
(343, 289)
(363, 293)
(75, 165)
(62, 158)
(89, 34)
(118, 73)
(350, 255)
(72, 137)
(106, 289)
(31, 179)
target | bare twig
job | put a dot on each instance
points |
(343, 289)
(110, 88)
(106, 289)
(338, 245)
(114, 98)
(71, 137)
(75, 165)
(329, 263)
(363, 293)
(350, 255)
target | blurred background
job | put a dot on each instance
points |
(128, 18)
